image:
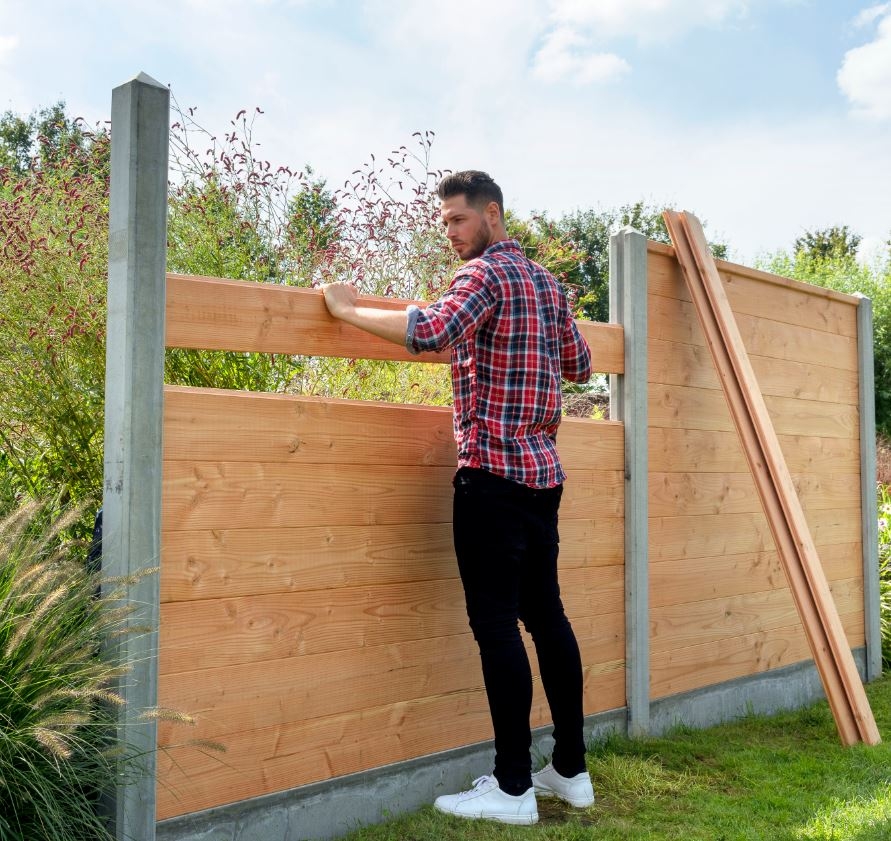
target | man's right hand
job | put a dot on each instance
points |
(340, 297)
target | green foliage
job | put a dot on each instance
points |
(837, 243)
(588, 232)
(53, 263)
(40, 141)
(884, 507)
(57, 709)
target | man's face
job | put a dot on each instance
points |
(465, 227)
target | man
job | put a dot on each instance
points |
(512, 338)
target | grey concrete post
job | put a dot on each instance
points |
(628, 403)
(134, 374)
(869, 512)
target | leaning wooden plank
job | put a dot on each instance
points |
(810, 589)
(218, 314)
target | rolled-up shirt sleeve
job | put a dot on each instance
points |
(467, 304)
(575, 355)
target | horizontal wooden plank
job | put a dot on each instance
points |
(223, 563)
(707, 535)
(271, 759)
(682, 580)
(219, 314)
(213, 633)
(716, 451)
(694, 623)
(673, 363)
(705, 408)
(218, 425)
(697, 666)
(252, 695)
(215, 495)
(677, 494)
(757, 293)
(673, 320)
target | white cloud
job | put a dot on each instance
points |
(8, 45)
(865, 74)
(566, 55)
(645, 20)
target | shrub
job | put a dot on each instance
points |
(884, 505)
(57, 711)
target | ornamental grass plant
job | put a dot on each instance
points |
(58, 711)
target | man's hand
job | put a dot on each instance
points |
(340, 298)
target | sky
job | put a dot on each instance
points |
(766, 118)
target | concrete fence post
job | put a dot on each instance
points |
(870, 525)
(628, 403)
(134, 374)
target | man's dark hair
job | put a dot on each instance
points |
(477, 187)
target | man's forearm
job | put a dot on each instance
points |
(387, 324)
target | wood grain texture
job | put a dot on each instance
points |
(697, 666)
(219, 314)
(213, 633)
(673, 320)
(220, 563)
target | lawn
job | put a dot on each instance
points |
(781, 778)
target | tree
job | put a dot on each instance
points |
(588, 231)
(836, 243)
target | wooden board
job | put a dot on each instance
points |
(218, 314)
(248, 696)
(672, 363)
(213, 633)
(675, 321)
(716, 451)
(683, 580)
(221, 563)
(761, 294)
(697, 666)
(696, 622)
(220, 425)
(679, 494)
(706, 408)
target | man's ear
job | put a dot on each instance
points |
(493, 212)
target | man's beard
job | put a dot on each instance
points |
(480, 241)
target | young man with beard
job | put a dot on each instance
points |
(512, 337)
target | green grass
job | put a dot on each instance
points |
(784, 778)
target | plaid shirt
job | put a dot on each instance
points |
(512, 337)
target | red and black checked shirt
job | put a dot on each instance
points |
(512, 337)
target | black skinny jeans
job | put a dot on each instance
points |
(506, 542)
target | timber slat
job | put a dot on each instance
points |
(202, 424)
(697, 666)
(222, 563)
(218, 314)
(220, 632)
(675, 321)
(810, 589)
(684, 580)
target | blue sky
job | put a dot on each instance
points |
(765, 117)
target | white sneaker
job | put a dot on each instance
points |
(486, 800)
(577, 790)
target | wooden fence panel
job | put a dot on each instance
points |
(718, 593)
(310, 595)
